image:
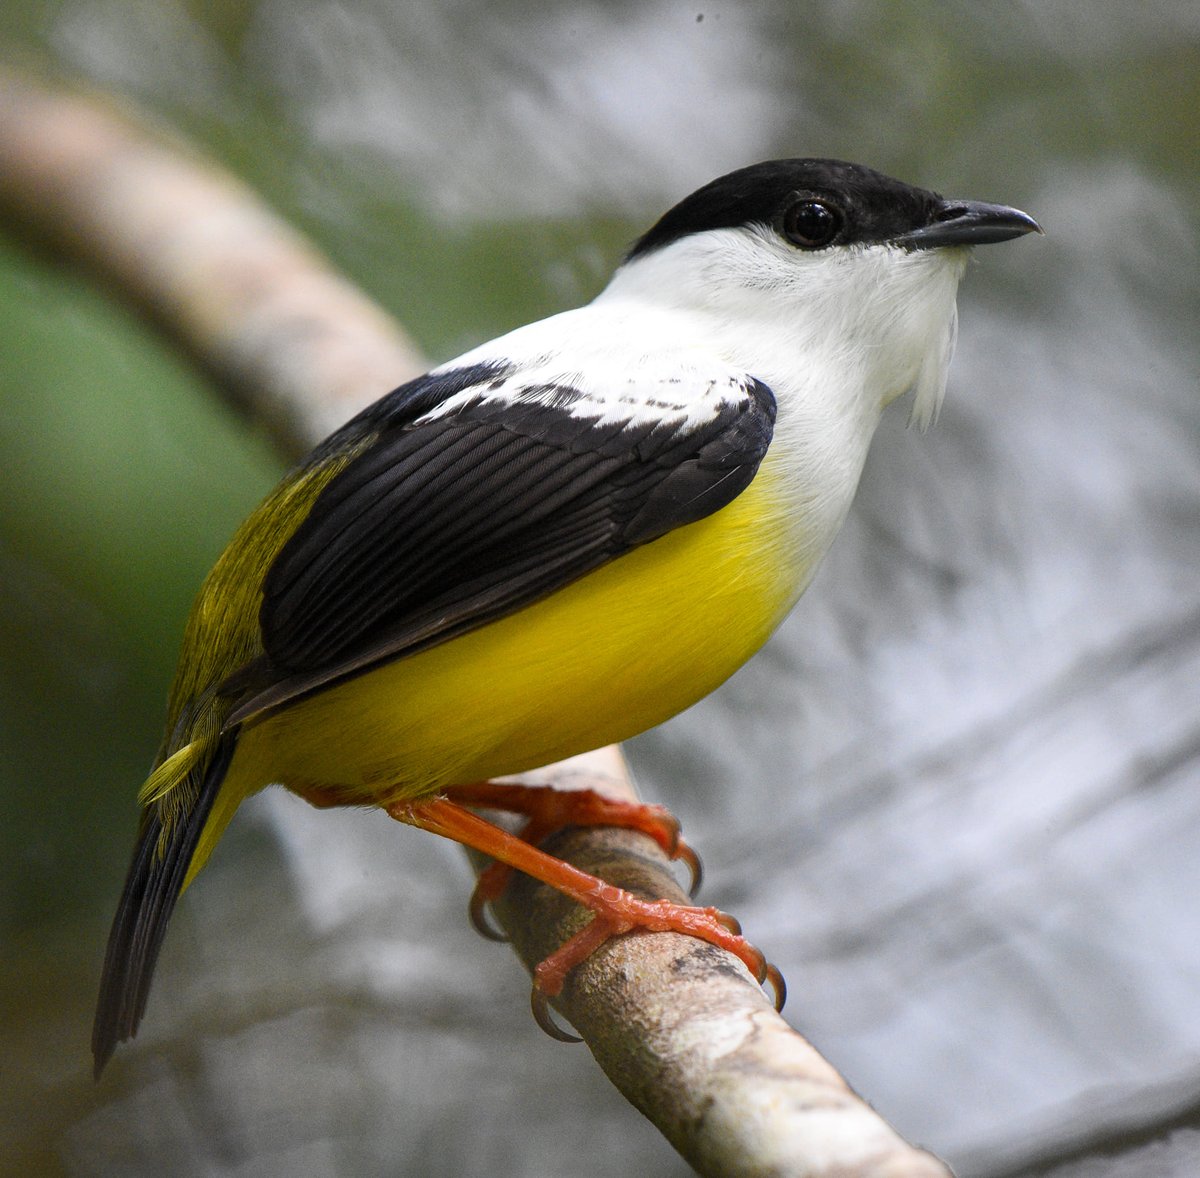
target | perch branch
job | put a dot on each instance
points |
(679, 1027)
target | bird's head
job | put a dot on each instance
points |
(830, 264)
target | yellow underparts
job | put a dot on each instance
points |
(609, 656)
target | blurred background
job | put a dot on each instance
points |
(956, 799)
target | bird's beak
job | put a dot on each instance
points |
(969, 222)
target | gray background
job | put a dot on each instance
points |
(955, 799)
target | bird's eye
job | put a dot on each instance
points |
(811, 224)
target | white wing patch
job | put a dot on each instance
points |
(605, 366)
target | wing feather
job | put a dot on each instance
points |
(448, 520)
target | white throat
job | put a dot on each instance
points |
(845, 330)
(837, 335)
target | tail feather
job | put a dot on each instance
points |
(155, 879)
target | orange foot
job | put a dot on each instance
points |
(549, 809)
(616, 910)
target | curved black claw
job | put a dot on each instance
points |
(477, 911)
(774, 979)
(685, 853)
(540, 1005)
(730, 922)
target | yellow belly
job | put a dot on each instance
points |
(611, 655)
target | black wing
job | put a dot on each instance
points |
(444, 523)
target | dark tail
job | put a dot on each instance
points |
(147, 901)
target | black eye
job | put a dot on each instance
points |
(811, 223)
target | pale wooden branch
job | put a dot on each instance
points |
(290, 340)
(686, 1034)
(679, 1027)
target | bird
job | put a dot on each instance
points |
(555, 541)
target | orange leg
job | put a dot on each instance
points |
(549, 809)
(616, 910)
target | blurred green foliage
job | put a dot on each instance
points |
(121, 477)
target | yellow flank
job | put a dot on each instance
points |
(609, 656)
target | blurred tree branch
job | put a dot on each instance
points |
(679, 1027)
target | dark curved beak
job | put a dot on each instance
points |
(969, 222)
